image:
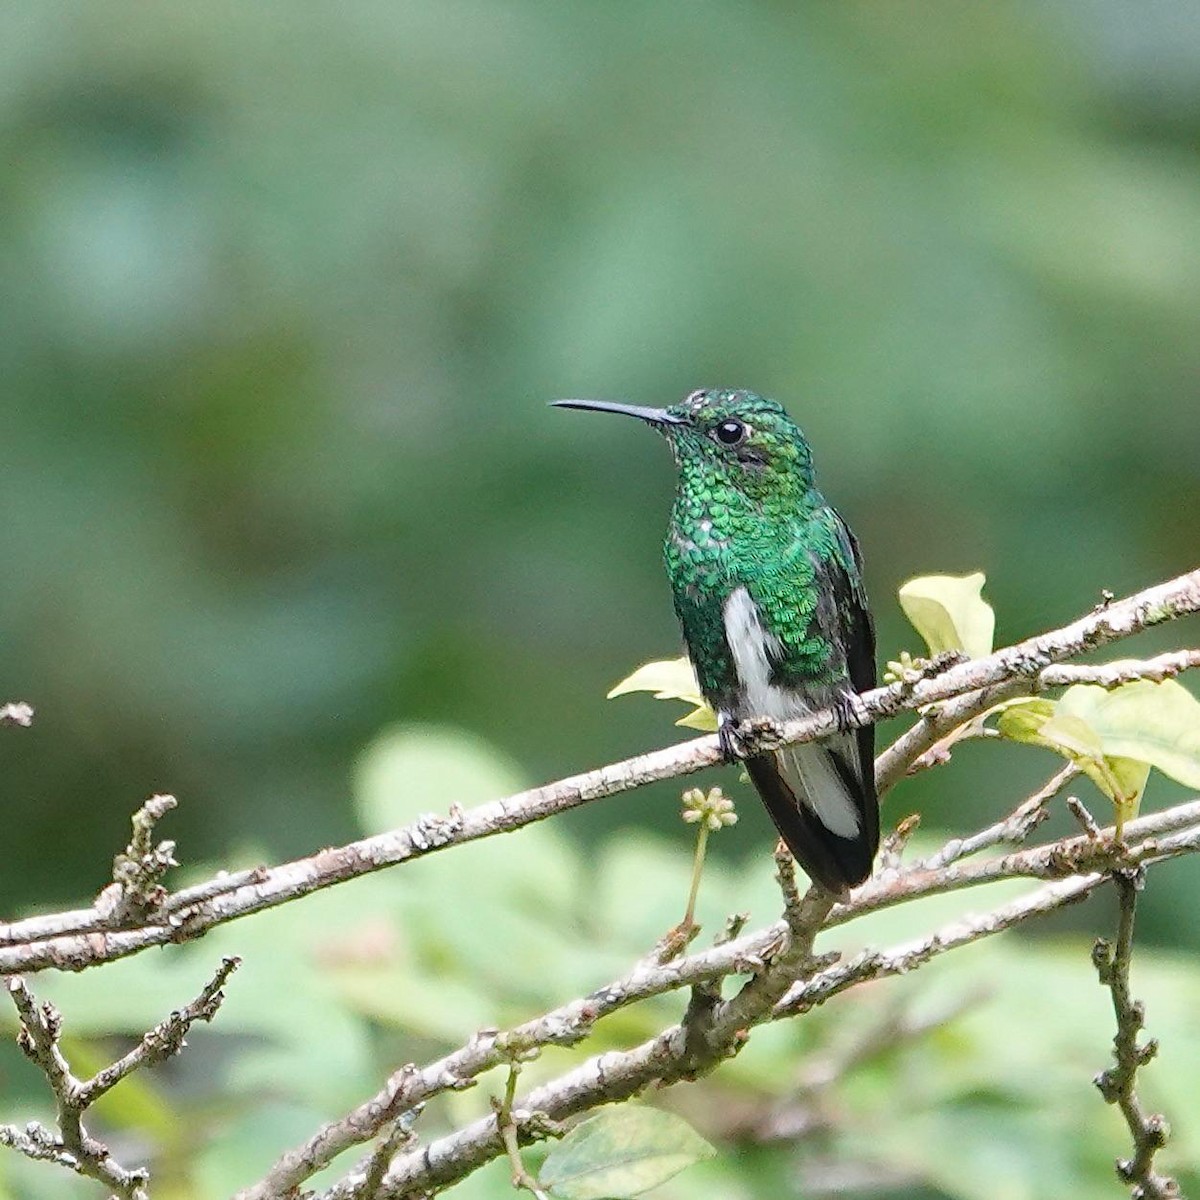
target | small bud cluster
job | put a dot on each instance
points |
(906, 669)
(714, 808)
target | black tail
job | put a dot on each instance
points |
(808, 788)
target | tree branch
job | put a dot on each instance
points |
(618, 1075)
(1118, 1083)
(785, 976)
(718, 1028)
(1014, 829)
(76, 940)
(929, 739)
(164, 1041)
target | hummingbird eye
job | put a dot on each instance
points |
(731, 433)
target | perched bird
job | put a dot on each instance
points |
(768, 588)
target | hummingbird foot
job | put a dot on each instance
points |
(743, 738)
(849, 712)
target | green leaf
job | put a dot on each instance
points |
(621, 1152)
(701, 717)
(667, 678)
(1022, 720)
(1155, 723)
(671, 679)
(949, 612)
(1116, 735)
(1041, 722)
(1071, 736)
(1127, 781)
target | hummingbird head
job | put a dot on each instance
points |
(727, 437)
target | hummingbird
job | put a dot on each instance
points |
(767, 583)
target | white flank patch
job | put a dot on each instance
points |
(808, 768)
(751, 644)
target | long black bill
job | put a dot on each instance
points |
(652, 416)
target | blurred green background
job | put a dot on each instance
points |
(285, 288)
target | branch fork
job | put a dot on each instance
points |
(72, 1146)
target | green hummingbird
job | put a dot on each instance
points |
(768, 588)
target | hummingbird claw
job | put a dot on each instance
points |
(849, 712)
(733, 745)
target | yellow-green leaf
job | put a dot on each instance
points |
(701, 717)
(949, 612)
(1051, 724)
(1155, 723)
(1022, 720)
(1128, 782)
(1071, 735)
(621, 1152)
(671, 679)
(667, 678)
(1122, 780)
(1042, 722)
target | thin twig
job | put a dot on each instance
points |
(785, 876)
(930, 741)
(165, 1040)
(137, 889)
(927, 743)
(1082, 814)
(1013, 830)
(39, 1143)
(400, 1136)
(1118, 1084)
(509, 1133)
(895, 842)
(1158, 835)
(1122, 671)
(402, 1095)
